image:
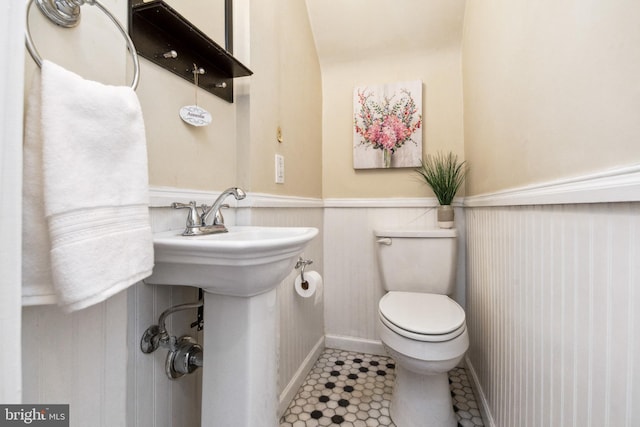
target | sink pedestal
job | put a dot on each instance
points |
(239, 376)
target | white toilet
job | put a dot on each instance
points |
(420, 326)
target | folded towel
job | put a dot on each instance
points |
(86, 175)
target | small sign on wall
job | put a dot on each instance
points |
(387, 131)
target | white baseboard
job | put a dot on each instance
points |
(359, 345)
(487, 418)
(298, 378)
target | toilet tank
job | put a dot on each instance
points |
(417, 260)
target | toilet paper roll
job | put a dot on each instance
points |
(311, 286)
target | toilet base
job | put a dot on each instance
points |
(421, 400)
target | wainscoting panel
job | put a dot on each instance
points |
(552, 303)
(78, 359)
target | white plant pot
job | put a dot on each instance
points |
(445, 216)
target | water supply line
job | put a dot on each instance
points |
(185, 354)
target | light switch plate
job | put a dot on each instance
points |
(279, 169)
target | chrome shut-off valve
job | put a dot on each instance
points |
(185, 354)
(186, 358)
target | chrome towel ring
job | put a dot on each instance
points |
(66, 13)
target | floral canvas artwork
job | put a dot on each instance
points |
(387, 130)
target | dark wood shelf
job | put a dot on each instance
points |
(156, 28)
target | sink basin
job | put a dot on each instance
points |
(244, 262)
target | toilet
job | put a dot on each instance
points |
(420, 326)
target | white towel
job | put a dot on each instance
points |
(86, 225)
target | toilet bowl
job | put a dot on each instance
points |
(427, 336)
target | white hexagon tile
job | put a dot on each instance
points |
(350, 389)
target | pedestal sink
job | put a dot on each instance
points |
(239, 272)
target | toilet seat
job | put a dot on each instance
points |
(421, 316)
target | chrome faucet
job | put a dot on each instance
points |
(197, 218)
(236, 192)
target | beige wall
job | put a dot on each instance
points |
(366, 42)
(440, 72)
(274, 39)
(239, 147)
(551, 90)
(94, 49)
(285, 92)
(181, 155)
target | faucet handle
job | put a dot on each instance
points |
(178, 205)
(193, 219)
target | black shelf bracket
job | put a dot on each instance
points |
(157, 29)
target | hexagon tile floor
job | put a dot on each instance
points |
(354, 389)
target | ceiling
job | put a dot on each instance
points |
(350, 30)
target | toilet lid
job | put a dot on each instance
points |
(424, 314)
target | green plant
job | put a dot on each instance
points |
(444, 174)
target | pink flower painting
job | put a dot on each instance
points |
(387, 125)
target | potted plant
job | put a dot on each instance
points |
(444, 174)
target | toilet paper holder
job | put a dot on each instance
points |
(302, 264)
